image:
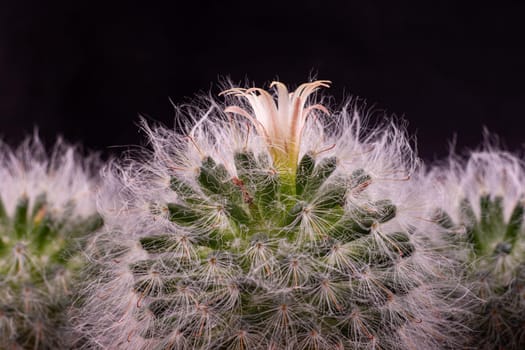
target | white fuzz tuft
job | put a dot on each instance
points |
(62, 175)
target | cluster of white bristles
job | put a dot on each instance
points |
(62, 175)
(483, 197)
(264, 221)
(121, 305)
(34, 289)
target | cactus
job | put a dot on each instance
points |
(45, 204)
(482, 210)
(266, 225)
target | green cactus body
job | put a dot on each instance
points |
(38, 257)
(488, 223)
(290, 266)
(242, 251)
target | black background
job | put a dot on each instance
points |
(87, 71)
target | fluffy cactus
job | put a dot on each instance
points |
(45, 204)
(483, 211)
(268, 224)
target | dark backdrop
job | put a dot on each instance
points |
(87, 71)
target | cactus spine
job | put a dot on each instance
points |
(483, 211)
(302, 234)
(45, 204)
